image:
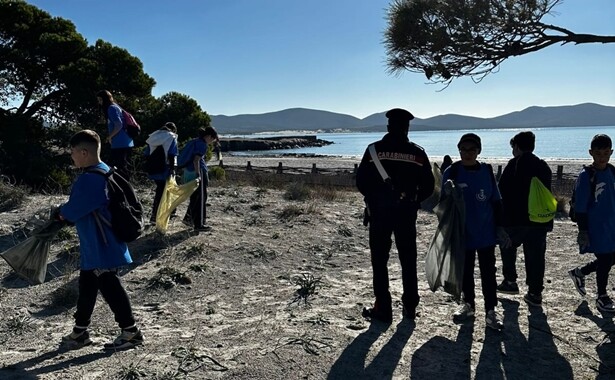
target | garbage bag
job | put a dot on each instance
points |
(29, 258)
(431, 202)
(172, 197)
(445, 258)
(541, 203)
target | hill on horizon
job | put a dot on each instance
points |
(304, 119)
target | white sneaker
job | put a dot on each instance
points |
(464, 312)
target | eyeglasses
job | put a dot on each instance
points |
(468, 150)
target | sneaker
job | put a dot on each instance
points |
(605, 304)
(77, 340)
(533, 299)
(508, 287)
(464, 312)
(579, 280)
(382, 314)
(125, 340)
(492, 320)
(204, 228)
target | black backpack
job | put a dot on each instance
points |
(592, 189)
(156, 161)
(124, 206)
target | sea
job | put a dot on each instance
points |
(553, 143)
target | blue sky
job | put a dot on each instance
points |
(256, 56)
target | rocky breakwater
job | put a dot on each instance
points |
(270, 143)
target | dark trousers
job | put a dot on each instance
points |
(400, 222)
(486, 264)
(160, 184)
(197, 207)
(602, 266)
(112, 291)
(534, 241)
(120, 157)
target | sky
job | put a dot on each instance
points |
(256, 56)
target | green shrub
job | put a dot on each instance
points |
(217, 173)
(297, 191)
(11, 196)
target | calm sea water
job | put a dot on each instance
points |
(551, 143)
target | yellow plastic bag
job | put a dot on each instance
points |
(541, 204)
(172, 197)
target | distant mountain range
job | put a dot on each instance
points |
(303, 119)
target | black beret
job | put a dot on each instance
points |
(399, 115)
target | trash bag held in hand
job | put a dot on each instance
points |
(445, 257)
(541, 204)
(29, 258)
(172, 196)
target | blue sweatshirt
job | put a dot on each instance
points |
(600, 209)
(121, 140)
(89, 194)
(479, 195)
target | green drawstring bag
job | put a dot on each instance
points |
(541, 204)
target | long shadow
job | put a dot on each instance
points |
(534, 357)
(142, 250)
(384, 364)
(606, 348)
(351, 363)
(20, 370)
(489, 365)
(442, 358)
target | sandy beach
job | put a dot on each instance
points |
(275, 291)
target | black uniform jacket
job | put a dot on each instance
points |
(514, 186)
(406, 164)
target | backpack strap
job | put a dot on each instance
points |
(100, 220)
(454, 170)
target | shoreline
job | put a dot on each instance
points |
(570, 166)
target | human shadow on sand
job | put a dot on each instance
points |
(21, 371)
(142, 250)
(351, 363)
(606, 348)
(534, 357)
(442, 358)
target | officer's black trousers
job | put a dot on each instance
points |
(398, 220)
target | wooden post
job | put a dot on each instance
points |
(356, 168)
(314, 169)
(280, 168)
(560, 171)
(249, 167)
(221, 164)
(499, 173)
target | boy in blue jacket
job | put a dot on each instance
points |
(99, 257)
(596, 220)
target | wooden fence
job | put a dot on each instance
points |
(562, 185)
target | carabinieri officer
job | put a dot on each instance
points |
(392, 204)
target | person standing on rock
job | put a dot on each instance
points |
(394, 177)
(515, 188)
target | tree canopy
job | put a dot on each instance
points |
(49, 77)
(447, 39)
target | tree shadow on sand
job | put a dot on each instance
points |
(351, 363)
(537, 356)
(20, 370)
(606, 347)
(442, 358)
